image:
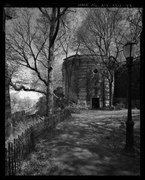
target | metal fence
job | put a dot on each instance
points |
(24, 144)
(20, 147)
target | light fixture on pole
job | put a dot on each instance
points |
(129, 52)
(112, 62)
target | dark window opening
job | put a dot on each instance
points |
(95, 71)
(95, 103)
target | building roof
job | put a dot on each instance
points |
(79, 56)
(87, 55)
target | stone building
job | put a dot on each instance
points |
(84, 81)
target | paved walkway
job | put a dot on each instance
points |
(89, 143)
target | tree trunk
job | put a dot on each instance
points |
(113, 83)
(8, 120)
(54, 20)
(103, 93)
(111, 91)
(49, 97)
(50, 82)
(110, 94)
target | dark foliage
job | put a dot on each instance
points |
(59, 92)
(41, 106)
(60, 102)
(121, 81)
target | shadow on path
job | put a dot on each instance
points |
(83, 146)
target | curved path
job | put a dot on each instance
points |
(90, 143)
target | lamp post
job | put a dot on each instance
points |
(112, 62)
(129, 51)
(111, 67)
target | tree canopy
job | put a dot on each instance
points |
(33, 32)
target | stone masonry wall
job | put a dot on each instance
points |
(80, 84)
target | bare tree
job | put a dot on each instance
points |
(33, 46)
(54, 16)
(7, 15)
(24, 49)
(68, 30)
(103, 34)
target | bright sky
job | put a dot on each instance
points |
(27, 73)
(32, 95)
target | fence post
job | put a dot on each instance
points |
(32, 138)
(9, 158)
(12, 157)
(29, 140)
(6, 161)
(19, 152)
(15, 158)
(16, 154)
(22, 146)
(26, 142)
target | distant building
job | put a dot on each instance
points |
(84, 81)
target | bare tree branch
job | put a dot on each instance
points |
(60, 14)
(44, 12)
